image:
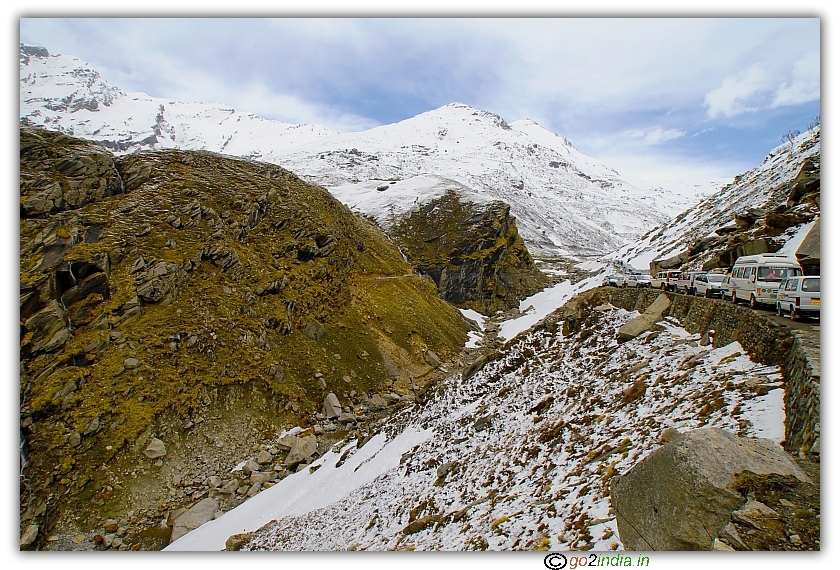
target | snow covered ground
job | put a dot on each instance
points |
(474, 337)
(520, 455)
(536, 307)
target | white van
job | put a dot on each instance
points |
(756, 278)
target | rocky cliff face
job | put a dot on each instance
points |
(165, 289)
(473, 252)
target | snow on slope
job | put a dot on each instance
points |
(388, 202)
(491, 472)
(564, 201)
(752, 189)
(63, 93)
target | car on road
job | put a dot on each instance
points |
(687, 282)
(638, 281)
(725, 288)
(710, 285)
(614, 281)
(665, 280)
(799, 297)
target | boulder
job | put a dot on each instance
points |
(251, 466)
(332, 407)
(377, 402)
(314, 330)
(302, 449)
(286, 442)
(347, 417)
(644, 322)
(45, 324)
(431, 359)
(155, 449)
(236, 541)
(264, 457)
(203, 511)
(29, 535)
(681, 496)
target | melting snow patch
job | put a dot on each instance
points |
(767, 415)
(540, 305)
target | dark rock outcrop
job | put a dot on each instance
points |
(58, 172)
(473, 252)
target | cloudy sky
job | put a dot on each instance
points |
(658, 98)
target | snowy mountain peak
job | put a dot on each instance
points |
(61, 83)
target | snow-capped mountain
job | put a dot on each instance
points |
(751, 194)
(61, 92)
(564, 201)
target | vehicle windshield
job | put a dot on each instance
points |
(776, 274)
(715, 278)
(811, 285)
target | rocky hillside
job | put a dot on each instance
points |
(757, 213)
(472, 251)
(178, 309)
(565, 202)
(520, 451)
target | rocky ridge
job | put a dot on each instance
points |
(474, 253)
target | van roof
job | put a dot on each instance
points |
(764, 258)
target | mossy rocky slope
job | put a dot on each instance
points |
(473, 252)
(156, 286)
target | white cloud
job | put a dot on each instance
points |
(650, 137)
(805, 85)
(658, 135)
(740, 94)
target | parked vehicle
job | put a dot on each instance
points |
(710, 285)
(638, 281)
(725, 288)
(613, 281)
(665, 280)
(686, 283)
(799, 297)
(756, 278)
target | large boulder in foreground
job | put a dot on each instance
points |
(634, 327)
(682, 495)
